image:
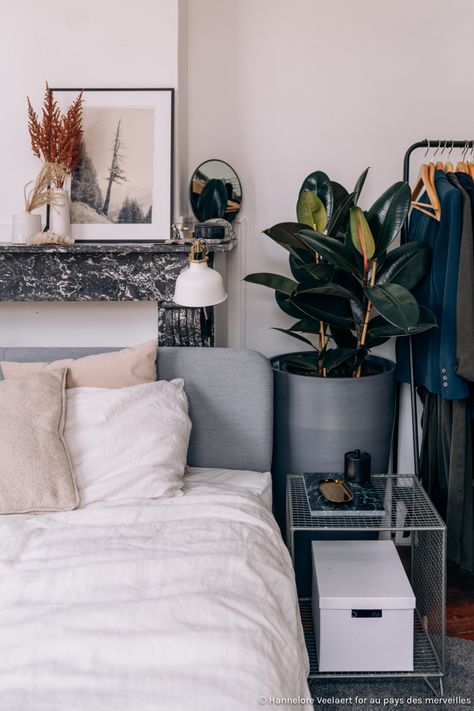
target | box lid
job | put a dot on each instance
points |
(360, 575)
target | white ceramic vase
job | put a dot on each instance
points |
(59, 217)
(24, 225)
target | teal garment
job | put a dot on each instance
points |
(465, 305)
(435, 350)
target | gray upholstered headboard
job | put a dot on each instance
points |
(230, 394)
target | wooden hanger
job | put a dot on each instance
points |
(426, 182)
(448, 166)
(432, 171)
(462, 167)
(470, 162)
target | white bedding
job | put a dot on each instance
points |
(198, 481)
(185, 603)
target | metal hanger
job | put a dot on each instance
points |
(449, 167)
(425, 182)
(462, 166)
(440, 164)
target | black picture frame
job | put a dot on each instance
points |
(136, 234)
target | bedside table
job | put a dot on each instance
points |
(408, 510)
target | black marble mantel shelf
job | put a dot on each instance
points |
(158, 247)
(106, 271)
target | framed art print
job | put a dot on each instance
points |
(122, 187)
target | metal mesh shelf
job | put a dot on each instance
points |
(426, 663)
(407, 512)
(407, 507)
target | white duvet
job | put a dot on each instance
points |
(186, 603)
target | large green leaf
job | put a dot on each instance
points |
(374, 341)
(350, 282)
(356, 256)
(406, 265)
(286, 234)
(379, 328)
(309, 272)
(358, 312)
(289, 332)
(343, 337)
(307, 325)
(326, 287)
(273, 281)
(361, 234)
(212, 201)
(320, 184)
(305, 256)
(330, 249)
(336, 356)
(359, 185)
(303, 361)
(339, 194)
(387, 215)
(340, 218)
(330, 309)
(396, 304)
(287, 306)
(311, 211)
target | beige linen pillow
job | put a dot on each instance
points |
(119, 369)
(35, 469)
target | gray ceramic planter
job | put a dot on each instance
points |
(318, 419)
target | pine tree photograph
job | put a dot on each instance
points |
(113, 180)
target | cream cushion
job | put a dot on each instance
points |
(128, 443)
(35, 470)
(119, 369)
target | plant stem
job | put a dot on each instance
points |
(363, 336)
(322, 326)
(322, 343)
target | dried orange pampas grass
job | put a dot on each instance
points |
(57, 138)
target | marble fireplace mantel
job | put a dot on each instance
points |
(106, 271)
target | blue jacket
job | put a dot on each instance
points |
(435, 350)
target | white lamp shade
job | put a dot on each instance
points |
(198, 285)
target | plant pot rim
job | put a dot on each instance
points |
(388, 366)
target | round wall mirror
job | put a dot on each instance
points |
(215, 191)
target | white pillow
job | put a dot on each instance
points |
(128, 443)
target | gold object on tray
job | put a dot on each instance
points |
(335, 491)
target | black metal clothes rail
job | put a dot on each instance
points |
(445, 144)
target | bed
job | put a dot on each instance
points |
(180, 603)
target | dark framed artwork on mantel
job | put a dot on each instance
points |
(122, 187)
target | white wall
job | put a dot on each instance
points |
(106, 43)
(277, 88)
(281, 88)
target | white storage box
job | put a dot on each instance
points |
(362, 607)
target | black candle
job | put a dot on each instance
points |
(357, 467)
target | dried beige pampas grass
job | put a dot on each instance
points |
(40, 193)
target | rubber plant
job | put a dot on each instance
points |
(349, 291)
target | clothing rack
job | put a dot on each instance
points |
(445, 143)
